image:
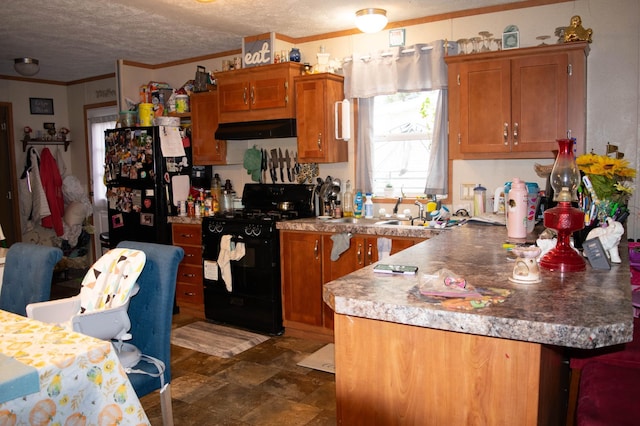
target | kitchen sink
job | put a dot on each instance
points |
(375, 222)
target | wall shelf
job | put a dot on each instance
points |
(26, 142)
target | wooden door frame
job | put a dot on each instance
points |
(14, 205)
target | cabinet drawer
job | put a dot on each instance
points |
(184, 234)
(189, 274)
(192, 256)
(190, 293)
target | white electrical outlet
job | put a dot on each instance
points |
(466, 191)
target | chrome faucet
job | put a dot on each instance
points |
(420, 210)
(395, 208)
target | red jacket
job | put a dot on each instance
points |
(52, 184)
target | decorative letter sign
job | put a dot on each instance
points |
(258, 50)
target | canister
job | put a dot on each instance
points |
(533, 200)
(182, 103)
(145, 114)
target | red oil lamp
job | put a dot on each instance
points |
(564, 218)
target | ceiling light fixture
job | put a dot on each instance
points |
(371, 20)
(26, 66)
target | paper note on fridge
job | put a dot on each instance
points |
(211, 270)
(171, 142)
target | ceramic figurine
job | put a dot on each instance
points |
(610, 238)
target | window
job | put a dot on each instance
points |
(402, 133)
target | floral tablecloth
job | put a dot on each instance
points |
(81, 379)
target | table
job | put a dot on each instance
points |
(81, 378)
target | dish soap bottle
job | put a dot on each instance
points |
(357, 209)
(516, 208)
(368, 207)
(347, 200)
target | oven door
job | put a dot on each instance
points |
(251, 299)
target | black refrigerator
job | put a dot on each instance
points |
(143, 184)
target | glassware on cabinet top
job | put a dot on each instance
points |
(542, 38)
(475, 41)
(462, 45)
(486, 36)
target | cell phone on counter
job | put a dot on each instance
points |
(395, 269)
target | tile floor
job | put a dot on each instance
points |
(261, 386)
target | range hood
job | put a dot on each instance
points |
(265, 129)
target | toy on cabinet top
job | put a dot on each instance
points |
(576, 32)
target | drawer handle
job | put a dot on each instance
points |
(515, 133)
(316, 249)
(359, 254)
(189, 293)
(190, 255)
(186, 235)
(189, 275)
(370, 254)
(244, 95)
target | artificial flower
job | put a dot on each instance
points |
(611, 179)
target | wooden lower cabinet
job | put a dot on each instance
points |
(306, 266)
(189, 286)
(395, 374)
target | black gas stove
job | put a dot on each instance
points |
(242, 256)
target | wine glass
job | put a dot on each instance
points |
(486, 35)
(461, 45)
(475, 41)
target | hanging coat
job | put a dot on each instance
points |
(52, 184)
(33, 201)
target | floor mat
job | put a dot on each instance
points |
(323, 359)
(213, 339)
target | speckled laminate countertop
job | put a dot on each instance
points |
(587, 309)
(185, 219)
(362, 226)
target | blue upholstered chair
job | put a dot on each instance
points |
(151, 312)
(28, 271)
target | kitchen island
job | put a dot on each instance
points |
(403, 360)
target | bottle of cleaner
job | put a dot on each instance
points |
(516, 208)
(357, 204)
(347, 200)
(368, 207)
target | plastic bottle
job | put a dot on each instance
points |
(368, 207)
(517, 210)
(347, 200)
(479, 200)
(357, 204)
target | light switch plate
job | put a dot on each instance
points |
(466, 191)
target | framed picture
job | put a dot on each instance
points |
(396, 37)
(43, 106)
(511, 37)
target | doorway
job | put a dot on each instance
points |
(99, 117)
(9, 212)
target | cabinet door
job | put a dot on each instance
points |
(316, 96)
(204, 116)
(539, 102)
(301, 255)
(485, 106)
(269, 93)
(234, 96)
(310, 116)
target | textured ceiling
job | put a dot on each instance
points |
(77, 39)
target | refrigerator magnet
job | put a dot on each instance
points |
(117, 221)
(146, 219)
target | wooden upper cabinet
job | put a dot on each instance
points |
(316, 96)
(257, 93)
(516, 103)
(207, 149)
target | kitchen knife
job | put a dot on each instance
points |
(274, 164)
(263, 165)
(281, 161)
(287, 159)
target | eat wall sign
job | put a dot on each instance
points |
(258, 50)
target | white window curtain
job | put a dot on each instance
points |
(401, 69)
(97, 125)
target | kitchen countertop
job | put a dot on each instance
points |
(364, 226)
(588, 309)
(189, 220)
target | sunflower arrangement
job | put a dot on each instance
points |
(608, 183)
